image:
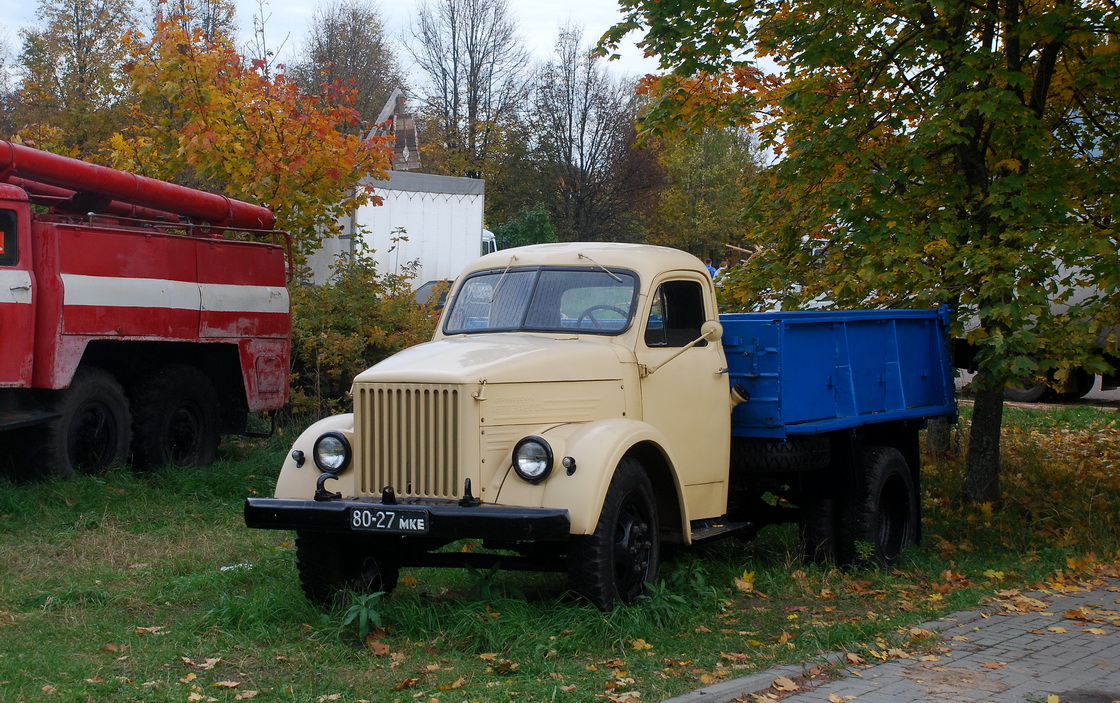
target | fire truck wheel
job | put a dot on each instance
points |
(618, 562)
(330, 567)
(175, 418)
(91, 432)
(880, 518)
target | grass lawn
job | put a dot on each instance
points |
(148, 587)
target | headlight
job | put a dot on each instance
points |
(332, 452)
(532, 459)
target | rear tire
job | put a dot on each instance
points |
(330, 567)
(817, 530)
(880, 516)
(92, 430)
(618, 562)
(175, 418)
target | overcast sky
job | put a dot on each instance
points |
(539, 22)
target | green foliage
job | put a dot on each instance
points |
(951, 154)
(364, 612)
(701, 207)
(345, 326)
(528, 226)
(73, 93)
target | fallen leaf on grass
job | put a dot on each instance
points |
(226, 684)
(783, 684)
(246, 696)
(457, 683)
(407, 683)
(640, 644)
(205, 666)
(376, 646)
(153, 630)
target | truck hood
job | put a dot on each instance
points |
(499, 358)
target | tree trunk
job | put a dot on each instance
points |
(981, 484)
(938, 436)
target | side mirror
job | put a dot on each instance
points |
(711, 331)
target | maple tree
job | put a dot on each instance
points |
(208, 118)
(953, 152)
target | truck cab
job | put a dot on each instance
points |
(16, 279)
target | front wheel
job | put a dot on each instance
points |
(618, 562)
(330, 566)
(91, 432)
(880, 515)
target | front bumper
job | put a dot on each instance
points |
(446, 520)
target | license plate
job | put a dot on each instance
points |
(399, 520)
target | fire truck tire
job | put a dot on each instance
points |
(879, 517)
(330, 567)
(175, 418)
(617, 563)
(91, 432)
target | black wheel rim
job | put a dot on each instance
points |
(633, 546)
(184, 434)
(92, 440)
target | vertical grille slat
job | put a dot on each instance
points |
(407, 437)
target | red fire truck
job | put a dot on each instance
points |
(131, 327)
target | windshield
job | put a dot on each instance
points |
(594, 301)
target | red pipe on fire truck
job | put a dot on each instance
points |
(132, 328)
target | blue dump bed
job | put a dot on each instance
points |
(819, 371)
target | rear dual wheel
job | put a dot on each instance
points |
(879, 517)
(175, 411)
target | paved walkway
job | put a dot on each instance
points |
(1021, 650)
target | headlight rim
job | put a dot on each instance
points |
(550, 458)
(347, 453)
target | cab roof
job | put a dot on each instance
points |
(644, 259)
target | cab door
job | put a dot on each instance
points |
(686, 397)
(17, 313)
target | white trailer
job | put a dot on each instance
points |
(432, 221)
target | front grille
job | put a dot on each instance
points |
(408, 437)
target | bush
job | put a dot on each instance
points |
(339, 329)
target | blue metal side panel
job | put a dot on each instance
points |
(818, 371)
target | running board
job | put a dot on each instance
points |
(714, 528)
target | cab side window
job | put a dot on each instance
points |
(8, 254)
(676, 315)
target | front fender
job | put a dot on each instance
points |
(597, 448)
(299, 481)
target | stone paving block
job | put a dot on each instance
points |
(1026, 661)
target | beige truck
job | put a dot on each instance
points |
(582, 405)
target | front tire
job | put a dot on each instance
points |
(329, 567)
(880, 516)
(175, 418)
(617, 563)
(91, 432)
